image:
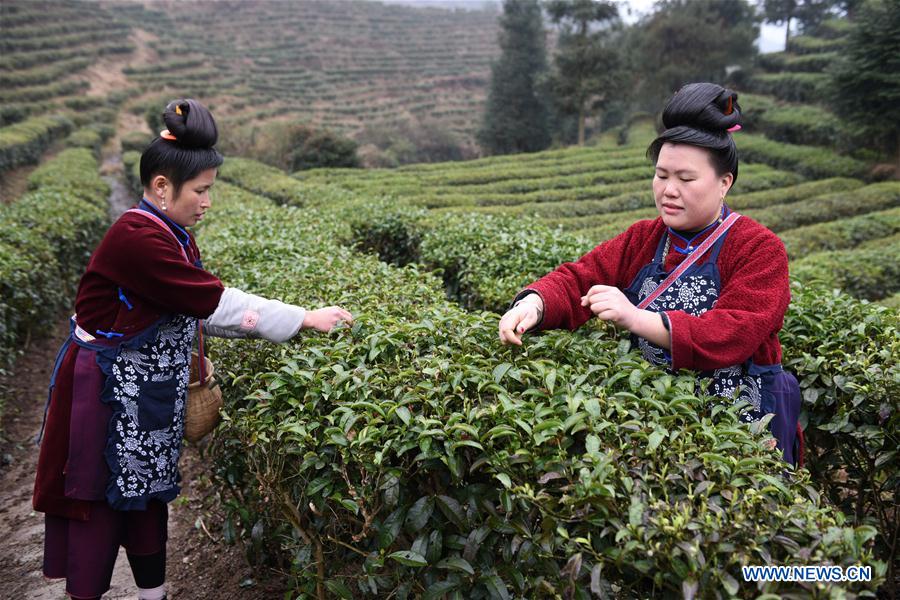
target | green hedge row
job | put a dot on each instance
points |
(842, 233)
(43, 75)
(792, 193)
(806, 160)
(412, 456)
(91, 137)
(582, 214)
(809, 125)
(892, 302)
(46, 238)
(23, 143)
(804, 44)
(846, 355)
(829, 207)
(869, 271)
(13, 61)
(800, 241)
(42, 58)
(791, 86)
(131, 161)
(68, 41)
(267, 181)
(13, 113)
(610, 197)
(43, 92)
(136, 141)
(812, 63)
(429, 199)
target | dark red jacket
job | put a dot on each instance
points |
(754, 295)
(144, 261)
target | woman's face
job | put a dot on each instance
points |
(688, 192)
(193, 200)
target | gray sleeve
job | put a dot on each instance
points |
(242, 315)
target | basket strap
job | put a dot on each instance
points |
(702, 249)
(201, 364)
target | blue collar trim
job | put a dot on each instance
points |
(180, 232)
(689, 242)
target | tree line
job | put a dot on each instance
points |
(600, 71)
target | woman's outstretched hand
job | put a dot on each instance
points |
(326, 319)
(520, 318)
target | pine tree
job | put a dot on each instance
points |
(515, 118)
(808, 13)
(866, 82)
(691, 40)
(587, 74)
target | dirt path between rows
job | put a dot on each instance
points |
(199, 565)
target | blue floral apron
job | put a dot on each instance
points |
(767, 388)
(146, 378)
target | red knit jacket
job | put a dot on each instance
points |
(754, 295)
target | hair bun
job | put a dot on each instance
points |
(705, 106)
(191, 124)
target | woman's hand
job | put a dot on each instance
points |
(325, 319)
(610, 304)
(520, 318)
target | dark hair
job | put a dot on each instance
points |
(190, 152)
(700, 114)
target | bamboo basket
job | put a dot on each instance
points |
(204, 400)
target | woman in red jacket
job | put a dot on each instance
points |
(722, 314)
(115, 416)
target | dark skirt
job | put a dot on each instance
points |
(84, 551)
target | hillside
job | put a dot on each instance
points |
(340, 65)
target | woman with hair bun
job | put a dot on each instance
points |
(699, 287)
(114, 424)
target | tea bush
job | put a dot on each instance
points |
(846, 355)
(131, 164)
(791, 86)
(267, 181)
(136, 141)
(42, 75)
(806, 160)
(805, 44)
(841, 234)
(812, 63)
(46, 237)
(793, 193)
(91, 138)
(24, 142)
(829, 207)
(411, 455)
(870, 271)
